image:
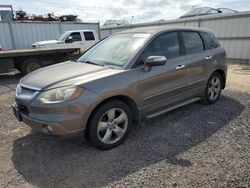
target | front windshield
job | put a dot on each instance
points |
(116, 50)
(62, 36)
(197, 11)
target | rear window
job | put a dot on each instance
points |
(192, 42)
(210, 40)
(89, 36)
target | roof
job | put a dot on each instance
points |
(81, 30)
(158, 29)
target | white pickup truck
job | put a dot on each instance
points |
(82, 39)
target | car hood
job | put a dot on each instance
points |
(48, 42)
(66, 73)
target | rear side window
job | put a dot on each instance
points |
(210, 40)
(89, 36)
(76, 36)
(192, 42)
(165, 45)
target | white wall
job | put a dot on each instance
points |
(232, 30)
(17, 35)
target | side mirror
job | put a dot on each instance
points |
(156, 61)
(69, 39)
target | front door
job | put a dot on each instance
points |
(162, 86)
(77, 40)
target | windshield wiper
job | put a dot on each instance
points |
(93, 63)
(112, 65)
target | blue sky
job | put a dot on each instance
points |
(132, 10)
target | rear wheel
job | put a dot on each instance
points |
(30, 65)
(110, 124)
(213, 89)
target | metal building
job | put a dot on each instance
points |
(232, 30)
(17, 35)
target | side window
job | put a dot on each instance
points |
(89, 35)
(210, 40)
(76, 36)
(213, 11)
(192, 42)
(165, 45)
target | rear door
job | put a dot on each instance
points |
(89, 39)
(197, 60)
(162, 85)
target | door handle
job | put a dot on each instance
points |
(208, 57)
(180, 67)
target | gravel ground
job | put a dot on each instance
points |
(194, 146)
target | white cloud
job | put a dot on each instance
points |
(140, 10)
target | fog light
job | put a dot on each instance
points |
(47, 129)
(50, 129)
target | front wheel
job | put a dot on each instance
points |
(110, 124)
(213, 89)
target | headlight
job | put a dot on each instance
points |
(60, 94)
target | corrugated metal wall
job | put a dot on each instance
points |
(232, 30)
(16, 35)
(5, 37)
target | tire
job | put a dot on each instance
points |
(105, 130)
(30, 65)
(214, 85)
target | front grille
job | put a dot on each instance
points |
(23, 109)
(26, 91)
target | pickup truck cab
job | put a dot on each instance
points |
(82, 39)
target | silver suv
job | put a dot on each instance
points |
(121, 80)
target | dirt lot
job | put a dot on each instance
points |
(194, 146)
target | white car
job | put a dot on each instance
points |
(82, 39)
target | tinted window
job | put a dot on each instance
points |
(165, 45)
(89, 36)
(210, 40)
(76, 36)
(192, 42)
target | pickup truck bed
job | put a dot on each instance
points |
(38, 51)
(27, 60)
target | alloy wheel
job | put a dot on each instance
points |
(112, 126)
(214, 88)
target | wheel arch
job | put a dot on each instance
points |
(223, 76)
(123, 98)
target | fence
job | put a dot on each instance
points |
(232, 30)
(16, 35)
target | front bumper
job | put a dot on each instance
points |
(46, 127)
(62, 119)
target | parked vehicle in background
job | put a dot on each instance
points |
(82, 39)
(1, 48)
(28, 60)
(124, 78)
(202, 11)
